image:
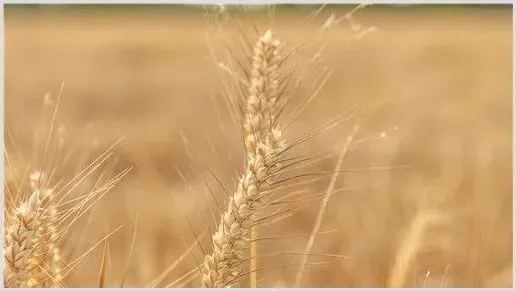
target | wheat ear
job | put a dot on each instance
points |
(261, 112)
(263, 144)
(30, 248)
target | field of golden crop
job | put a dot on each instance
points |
(444, 77)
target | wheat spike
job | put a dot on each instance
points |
(263, 143)
(261, 103)
(30, 236)
(261, 112)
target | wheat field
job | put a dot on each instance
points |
(423, 197)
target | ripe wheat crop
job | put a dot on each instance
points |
(294, 156)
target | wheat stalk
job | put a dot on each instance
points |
(324, 204)
(263, 143)
(411, 245)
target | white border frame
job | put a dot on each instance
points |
(255, 2)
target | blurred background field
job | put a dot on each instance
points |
(145, 73)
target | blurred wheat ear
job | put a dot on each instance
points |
(39, 217)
